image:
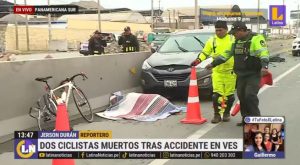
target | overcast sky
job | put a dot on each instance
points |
(146, 4)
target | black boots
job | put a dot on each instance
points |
(217, 117)
(229, 102)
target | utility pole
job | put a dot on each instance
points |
(283, 26)
(99, 16)
(174, 19)
(178, 19)
(27, 30)
(298, 20)
(49, 25)
(196, 15)
(16, 29)
(152, 19)
(258, 16)
(159, 8)
(169, 18)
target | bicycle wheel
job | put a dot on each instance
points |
(82, 104)
(46, 119)
(51, 104)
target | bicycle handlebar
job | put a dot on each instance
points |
(83, 75)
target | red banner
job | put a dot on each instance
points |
(24, 10)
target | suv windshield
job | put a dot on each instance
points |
(185, 43)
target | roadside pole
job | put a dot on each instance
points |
(152, 20)
(99, 16)
(27, 30)
(196, 15)
(16, 28)
(258, 16)
(49, 26)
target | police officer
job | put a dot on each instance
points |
(129, 41)
(96, 44)
(223, 78)
(251, 58)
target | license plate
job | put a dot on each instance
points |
(170, 83)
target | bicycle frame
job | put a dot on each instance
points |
(64, 96)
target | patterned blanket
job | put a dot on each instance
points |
(140, 107)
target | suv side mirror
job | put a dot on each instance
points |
(153, 50)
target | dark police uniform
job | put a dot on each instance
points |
(129, 43)
(250, 55)
(96, 45)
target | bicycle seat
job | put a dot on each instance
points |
(43, 79)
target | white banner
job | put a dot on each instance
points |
(264, 119)
(140, 145)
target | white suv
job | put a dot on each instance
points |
(296, 46)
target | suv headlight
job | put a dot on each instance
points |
(146, 66)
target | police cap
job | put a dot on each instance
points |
(238, 25)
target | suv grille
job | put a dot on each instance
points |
(176, 67)
(178, 77)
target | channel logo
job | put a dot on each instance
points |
(277, 14)
(25, 149)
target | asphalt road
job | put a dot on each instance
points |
(281, 99)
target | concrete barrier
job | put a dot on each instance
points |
(106, 74)
(58, 45)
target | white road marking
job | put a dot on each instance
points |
(207, 127)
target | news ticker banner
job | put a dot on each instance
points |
(266, 137)
(52, 9)
(100, 145)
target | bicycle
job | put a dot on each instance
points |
(45, 110)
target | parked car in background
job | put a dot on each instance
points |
(162, 30)
(157, 32)
(140, 35)
(296, 46)
(159, 39)
(169, 67)
(84, 48)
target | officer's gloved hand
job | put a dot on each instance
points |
(264, 72)
(196, 62)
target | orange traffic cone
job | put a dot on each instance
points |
(62, 124)
(265, 80)
(236, 109)
(62, 118)
(193, 115)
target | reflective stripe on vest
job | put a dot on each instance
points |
(129, 49)
(214, 44)
(258, 52)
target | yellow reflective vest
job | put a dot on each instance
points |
(215, 47)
